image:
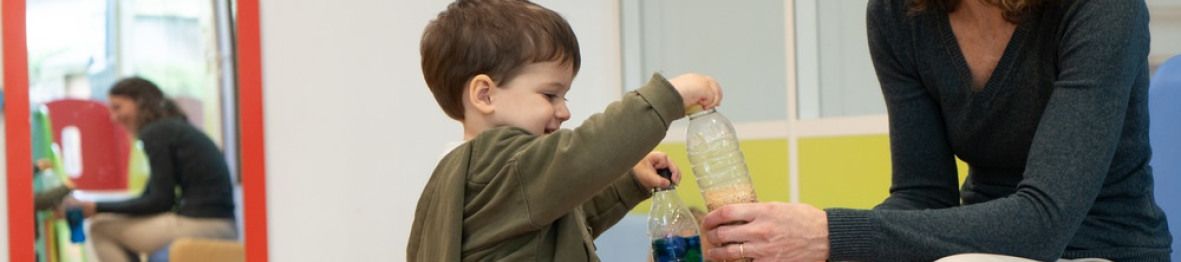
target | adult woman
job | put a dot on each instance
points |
(189, 193)
(1046, 102)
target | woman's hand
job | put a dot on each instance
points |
(767, 232)
(645, 171)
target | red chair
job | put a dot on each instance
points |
(93, 148)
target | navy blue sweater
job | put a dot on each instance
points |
(1056, 142)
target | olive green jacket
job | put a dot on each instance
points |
(507, 195)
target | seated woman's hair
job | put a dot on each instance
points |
(1013, 9)
(149, 100)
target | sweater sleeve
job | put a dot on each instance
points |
(1102, 50)
(924, 171)
(159, 194)
(610, 205)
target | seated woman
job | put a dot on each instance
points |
(189, 193)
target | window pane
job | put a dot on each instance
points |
(79, 48)
(740, 43)
(836, 77)
(174, 43)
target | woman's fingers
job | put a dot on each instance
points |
(736, 251)
(738, 233)
(732, 213)
(772, 231)
(721, 236)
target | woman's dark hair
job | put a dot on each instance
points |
(1013, 10)
(149, 100)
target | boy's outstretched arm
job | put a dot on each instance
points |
(557, 172)
(565, 169)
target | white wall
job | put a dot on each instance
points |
(352, 131)
(599, 81)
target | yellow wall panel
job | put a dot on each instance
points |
(848, 171)
(852, 171)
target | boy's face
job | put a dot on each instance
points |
(535, 99)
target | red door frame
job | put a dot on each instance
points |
(17, 136)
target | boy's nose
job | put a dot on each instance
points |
(563, 112)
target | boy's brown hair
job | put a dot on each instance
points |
(492, 37)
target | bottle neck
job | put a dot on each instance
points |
(666, 197)
(702, 113)
(669, 188)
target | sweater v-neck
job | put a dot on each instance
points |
(960, 62)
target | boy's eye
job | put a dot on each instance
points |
(554, 98)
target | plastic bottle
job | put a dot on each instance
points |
(717, 160)
(673, 230)
(74, 219)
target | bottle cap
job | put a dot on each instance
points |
(666, 174)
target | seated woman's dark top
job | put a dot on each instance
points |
(183, 157)
(1056, 141)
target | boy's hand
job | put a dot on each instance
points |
(645, 171)
(698, 90)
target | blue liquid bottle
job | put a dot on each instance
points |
(672, 228)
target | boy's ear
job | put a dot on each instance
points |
(479, 93)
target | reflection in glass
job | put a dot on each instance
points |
(77, 50)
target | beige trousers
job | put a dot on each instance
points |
(119, 238)
(1002, 258)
